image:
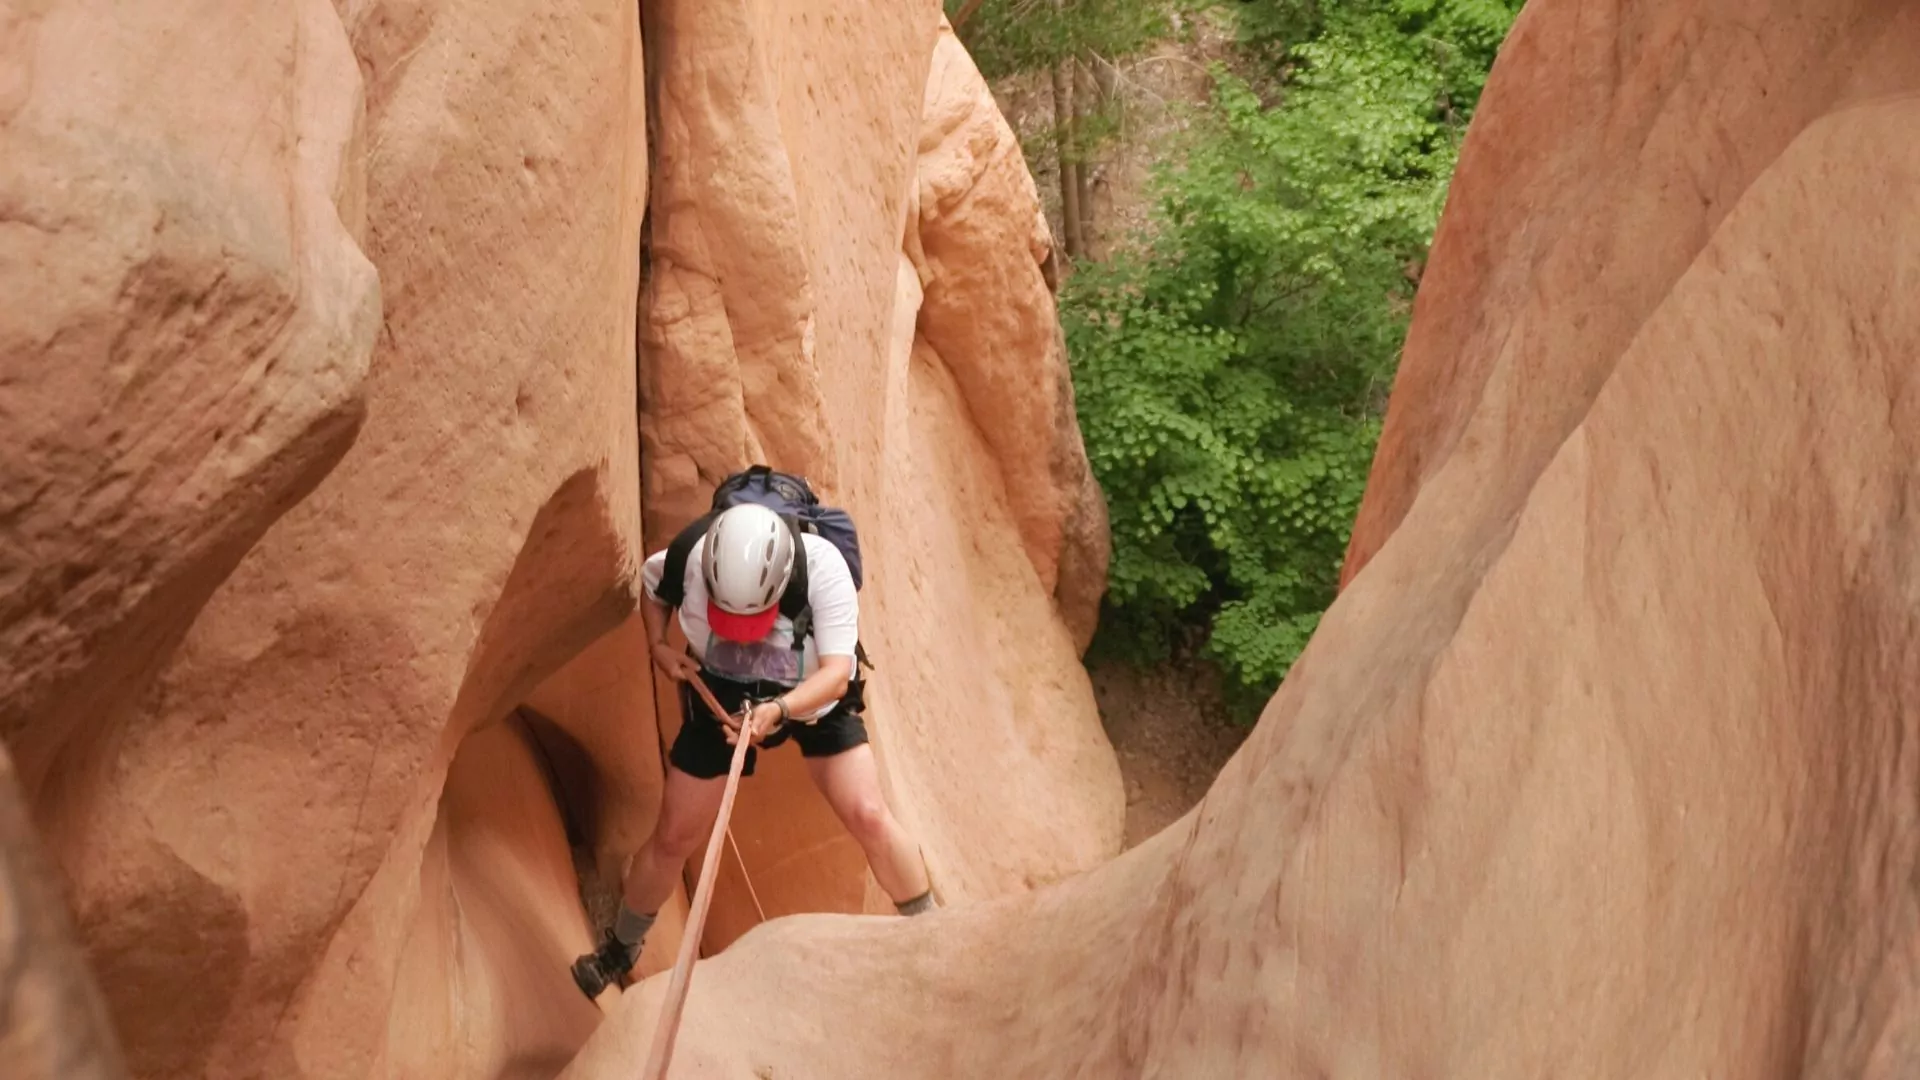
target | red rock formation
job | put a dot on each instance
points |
(924, 391)
(605, 757)
(1002, 756)
(1561, 239)
(188, 323)
(1606, 765)
(977, 241)
(250, 849)
(318, 650)
(53, 1019)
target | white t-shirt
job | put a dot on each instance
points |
(830, 592)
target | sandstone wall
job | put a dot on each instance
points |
(1605, 764)
(182, 357)
(188, 326)
(1530, 299)
(248, 840)
(53, 1019)
(846, 282)
(323, 499)
(1004, 758)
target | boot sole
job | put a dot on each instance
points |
(588, 977)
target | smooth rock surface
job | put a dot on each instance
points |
(188, 324)
(332, 714)
(252, 853)
(53, 1019)
(978, 242)
(1614, 147)
(1606, 764)
(785, 321)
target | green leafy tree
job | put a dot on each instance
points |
(1077, 43)
(1231, 365)
(1007, 37)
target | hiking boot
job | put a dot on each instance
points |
(604, 967)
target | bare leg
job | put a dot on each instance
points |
(687, 809)
(851, 783)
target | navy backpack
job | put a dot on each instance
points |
(793, 499)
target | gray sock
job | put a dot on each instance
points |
(919, 905)
(631, 928)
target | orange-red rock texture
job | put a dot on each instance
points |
(53, 1019)
(341, 406)
(845, 280)
(343, 396)
(1606, 763)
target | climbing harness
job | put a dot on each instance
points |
(661, 1053)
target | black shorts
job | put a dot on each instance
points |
(701, 749)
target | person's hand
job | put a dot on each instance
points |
(678, 665)
(766, 718)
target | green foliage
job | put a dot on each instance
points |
(1463, 34)
(1007, 37)
(1231, 365)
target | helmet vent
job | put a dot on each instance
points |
(750, 558)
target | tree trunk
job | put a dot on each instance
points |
(1106, 75)
(1086, 102)
(967, 11)
(1066, 153)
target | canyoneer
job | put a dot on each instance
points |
(766, 585)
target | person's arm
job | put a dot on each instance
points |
(822, 688)
(676, 664)
(815, 692)
(836, 634)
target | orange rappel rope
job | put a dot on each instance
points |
(661, 1052)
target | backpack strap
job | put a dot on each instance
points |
(795, 606)
(672, 589)
(803, 625)
(793, 602)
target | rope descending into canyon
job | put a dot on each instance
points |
(759, 911)
(661, 1053)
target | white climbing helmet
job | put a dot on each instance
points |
(747, 560)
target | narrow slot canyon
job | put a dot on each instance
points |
(359, 354)
(537, 817)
